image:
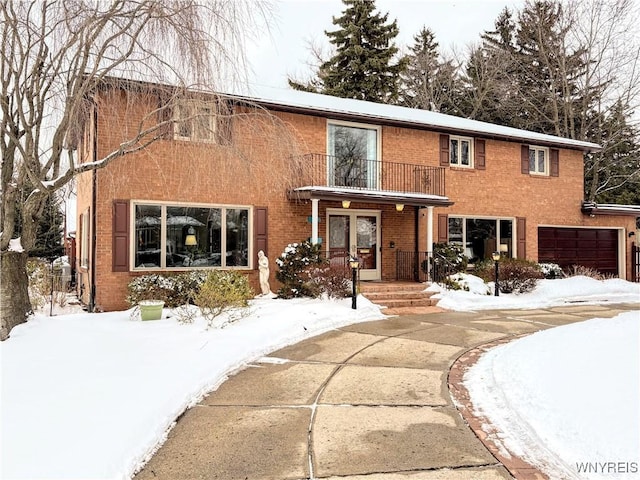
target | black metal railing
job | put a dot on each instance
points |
(416, 267)
(363, 174)
(635, 262)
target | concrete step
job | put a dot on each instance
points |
(411, 310)
(400, 295)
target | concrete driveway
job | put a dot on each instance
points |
(366, 402)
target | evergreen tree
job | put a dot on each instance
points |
(363, 66)
(427, 82)
(613, 175)
(488, 92)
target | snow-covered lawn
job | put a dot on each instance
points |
(88, 396)
(567, 399)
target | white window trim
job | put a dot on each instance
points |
(460, 139)
(537, 149)
(366, 126)
(192, 104)
(514, 233)
(163, 234)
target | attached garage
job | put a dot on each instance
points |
(595, 248)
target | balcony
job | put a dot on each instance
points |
(346, 173)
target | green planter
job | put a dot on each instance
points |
(151, 309)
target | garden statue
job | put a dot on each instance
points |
(263, 266)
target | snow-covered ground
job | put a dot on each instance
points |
(89, 396)
(567, 399)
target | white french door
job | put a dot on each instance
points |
(355, 233)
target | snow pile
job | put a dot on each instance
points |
(548, 293)
(567, 399)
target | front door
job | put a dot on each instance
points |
(355, 233)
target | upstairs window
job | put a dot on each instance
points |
(460, 151)
(195, 120)
(353, 155)
(538, 160)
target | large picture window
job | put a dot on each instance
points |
(174, 236)
(480, 237)
(353, 156)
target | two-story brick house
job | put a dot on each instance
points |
(236, 174)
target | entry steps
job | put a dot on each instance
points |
(400, 298)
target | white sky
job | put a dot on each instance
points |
(285, 51)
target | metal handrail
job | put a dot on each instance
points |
(365, 174)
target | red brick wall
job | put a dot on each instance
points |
(256, 171)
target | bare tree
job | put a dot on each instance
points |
(55, 54)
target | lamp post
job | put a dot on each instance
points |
(353, 263)
(496, 259)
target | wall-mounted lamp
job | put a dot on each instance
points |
(190, 240)
(399, 207)
(631, 234)
(346, 203)
(392, 244)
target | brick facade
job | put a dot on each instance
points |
(255, 170)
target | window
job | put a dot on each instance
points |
(173, 236)
(538, 160)
(480, 237)
(353, 156)
(84, 239)
(460, 153)
(195, 120)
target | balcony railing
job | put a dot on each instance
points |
(362, 174)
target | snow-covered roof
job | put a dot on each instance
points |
(381, 113)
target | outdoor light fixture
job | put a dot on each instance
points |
(190, 240)
(496, 259)
(353, 263)
(399, 207)
(346, 203)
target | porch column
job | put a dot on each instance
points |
(429, 240)
(314, 220)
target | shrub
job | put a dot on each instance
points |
(174, 289)
(515, 275)
(580, 270)
(294, 266)
(448, 259)
(223, 292)
(551, 270)
(334, 283)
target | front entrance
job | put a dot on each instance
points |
(355, 233)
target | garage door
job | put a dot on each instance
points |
(594, 248)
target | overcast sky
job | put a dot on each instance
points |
(285, 51)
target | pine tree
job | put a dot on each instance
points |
(613, 175)
(428, 82)
(487, 91)
(363, 66)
